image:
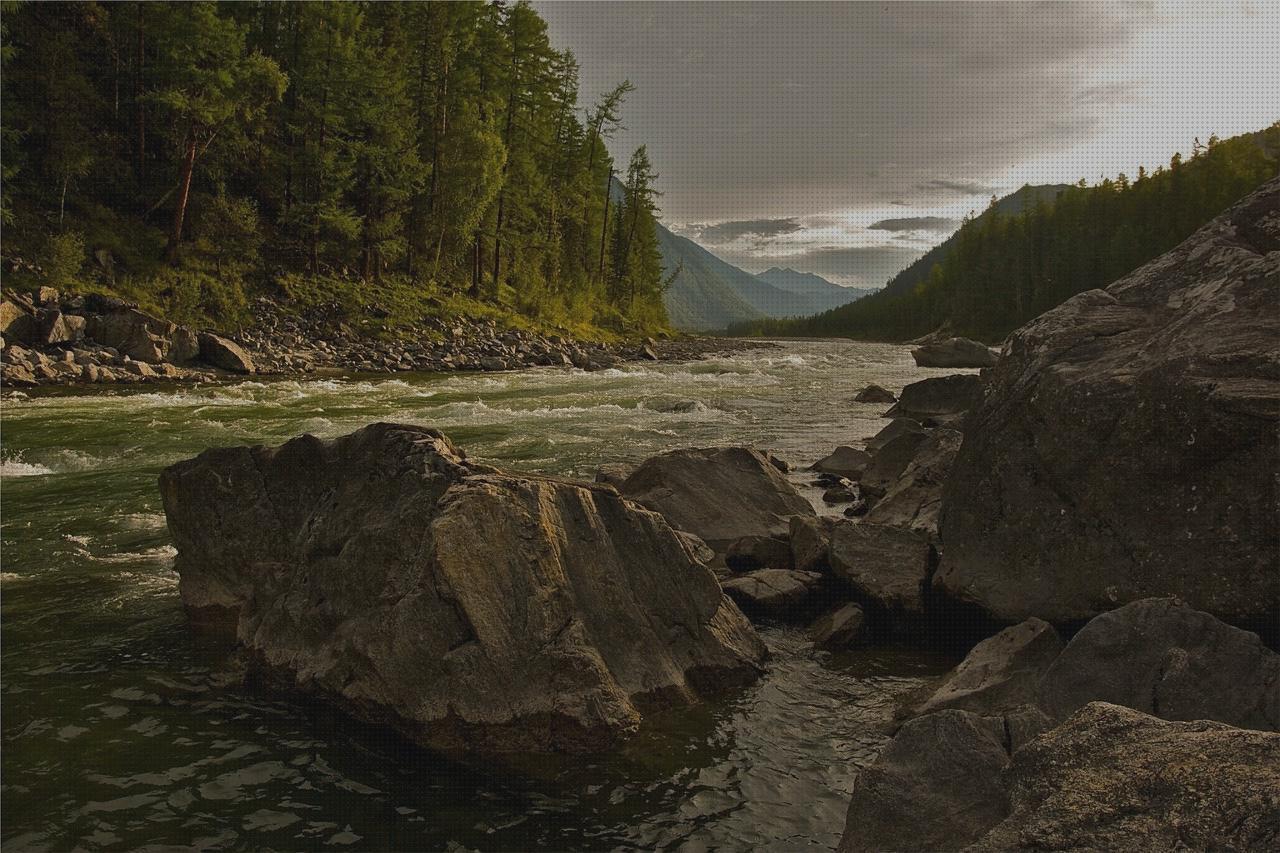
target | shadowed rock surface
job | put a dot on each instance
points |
(774, 593)
(1000, 673)
(915, 498)
(887, 565)
(874, 393)
(844, 462)
(720, 494)
(469, 609)
(1111, 778)
(938, 396)
(1164, 658)
(839, 628)
(1127, 445)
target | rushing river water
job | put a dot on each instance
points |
(120, 731)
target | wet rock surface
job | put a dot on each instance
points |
(954, 352)
(466, 608)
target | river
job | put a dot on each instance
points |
(120, 731)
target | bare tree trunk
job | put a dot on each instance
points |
(604, 226)
(184, 193)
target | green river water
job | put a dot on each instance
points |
(122, 732)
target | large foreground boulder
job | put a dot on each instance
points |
(720, 494)
(468, 609)
(1127, 444)
(954, 352)
(1114, 779)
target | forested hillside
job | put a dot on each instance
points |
(399, 157)
(1000, 270)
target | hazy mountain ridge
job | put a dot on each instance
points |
(709, 293)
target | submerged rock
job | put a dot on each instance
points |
(954, 352)
(720, 494)
(1114, 779)
(1127, 445)
(466, 608)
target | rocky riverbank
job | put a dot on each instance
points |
(1106, 695)
(50, 338)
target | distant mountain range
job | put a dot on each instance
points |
(709, 294)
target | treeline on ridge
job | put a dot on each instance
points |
(1004, 269)
(188, 155)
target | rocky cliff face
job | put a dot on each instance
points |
(467, 608)
(1127, 442)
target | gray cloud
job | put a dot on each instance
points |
(727, 232)
(916, 223)
(940, 186)
(757, 111)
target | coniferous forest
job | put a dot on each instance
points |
(1002, 270)
(190, 155)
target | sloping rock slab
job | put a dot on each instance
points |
(720, 494)
(1126, 447)
(1164, 658)
(228, 355)
(468, 609)
(1113, 779)
(915, 499)
(774, 593)
(1000, 673)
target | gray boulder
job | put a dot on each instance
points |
(890, 460)
(18, 322)
(466, 608)
(810, 538)
(844, 462)
(141, 336)
(774, 593)
(999, 674)
(225, 354)
(915, 498)
(1114, 779)
(1164, 658)
(892, 430)
(938, 396)
(720, 494)
(954, 352)
(936, 786)
(759, 552)
(874, 393)
(1127, 445)
(839, 628)
(887, 565)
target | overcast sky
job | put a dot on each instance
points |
(845, 138)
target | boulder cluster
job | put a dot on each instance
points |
(49, 337)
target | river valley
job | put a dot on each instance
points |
(122, 731)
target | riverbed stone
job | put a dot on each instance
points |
(839, 628)
(885, 565)
(1127, 446)
(999, 674)
(810, 538)
(1163, 657)
(938, 396)
(774, 593)
(874, 393)
(954, 352)
(720, 494)
(468, 609)
(914, 500)
(844, 461)
(228, 355)
(892, 430)
(759, 552)
(1111, 778)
